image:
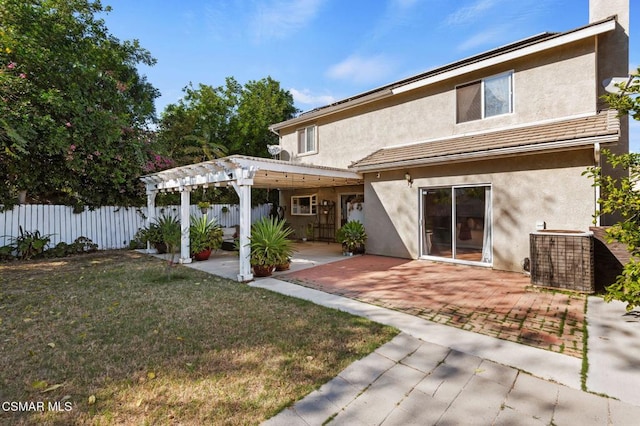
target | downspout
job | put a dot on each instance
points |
(596, 157)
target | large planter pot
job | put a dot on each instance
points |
(262, 270)
(203, 255)
(161, 248)
(283, 266)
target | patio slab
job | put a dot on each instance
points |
(494, 303)
(308, 255)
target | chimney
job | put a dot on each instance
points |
(612, 52)
(613, 47)
(602, 9)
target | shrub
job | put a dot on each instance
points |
(28, 245)
(619, 197)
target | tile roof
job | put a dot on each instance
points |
(566, 134)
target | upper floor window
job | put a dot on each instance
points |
(485, 98)
(307, 140)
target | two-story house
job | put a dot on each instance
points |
(462, 162)
(457, 164)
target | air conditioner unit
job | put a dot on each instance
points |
(562, 259)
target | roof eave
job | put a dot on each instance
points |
(314, 115)
(547, 147)
(560, 40)
(456, 69)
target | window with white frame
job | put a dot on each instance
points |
(485, 98)
(307, 140)
(304, 205)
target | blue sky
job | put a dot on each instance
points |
(327, 50)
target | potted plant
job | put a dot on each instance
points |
(352, 236)
(204, 206)
(155, 234)
(204, 236)
(309, 231)
(270, 245)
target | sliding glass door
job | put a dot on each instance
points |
(456, 223)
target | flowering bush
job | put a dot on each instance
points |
(73, 108)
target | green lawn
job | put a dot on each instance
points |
(113, 341)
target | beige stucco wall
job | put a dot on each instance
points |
(298, 222)
(525, 190)
(553, 85)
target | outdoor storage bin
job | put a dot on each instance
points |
(562, 259)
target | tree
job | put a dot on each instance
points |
(197, 128)
(262, 103)
(211, 122)
(74, 108)
(620, 196)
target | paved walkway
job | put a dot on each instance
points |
(434, 374)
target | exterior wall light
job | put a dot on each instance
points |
(409, 179)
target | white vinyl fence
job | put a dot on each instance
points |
(109, 227)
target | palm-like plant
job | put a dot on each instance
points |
(204, 234)
(270, 243)
(352, 236)
(169, 230)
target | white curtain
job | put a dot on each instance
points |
(487, 256)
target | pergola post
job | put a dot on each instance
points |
(185, 201)
(242, 185)
(151, 211)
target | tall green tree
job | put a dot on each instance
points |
(261, 104)
(198, 127)
(74, 109)
(620, 197)
(211, 122)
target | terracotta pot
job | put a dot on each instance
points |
(203, 255)
(262, 270)
(283, 266)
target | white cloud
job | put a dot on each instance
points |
(305, 97)
(281, 18)
(362, 70)
(467, 14)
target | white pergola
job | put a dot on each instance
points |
(242, 173)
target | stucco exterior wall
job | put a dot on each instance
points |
(299, 222)
(525, 190)
(553, 85)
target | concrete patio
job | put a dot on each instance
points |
(308, 254)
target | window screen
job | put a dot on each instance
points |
(469, 102)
